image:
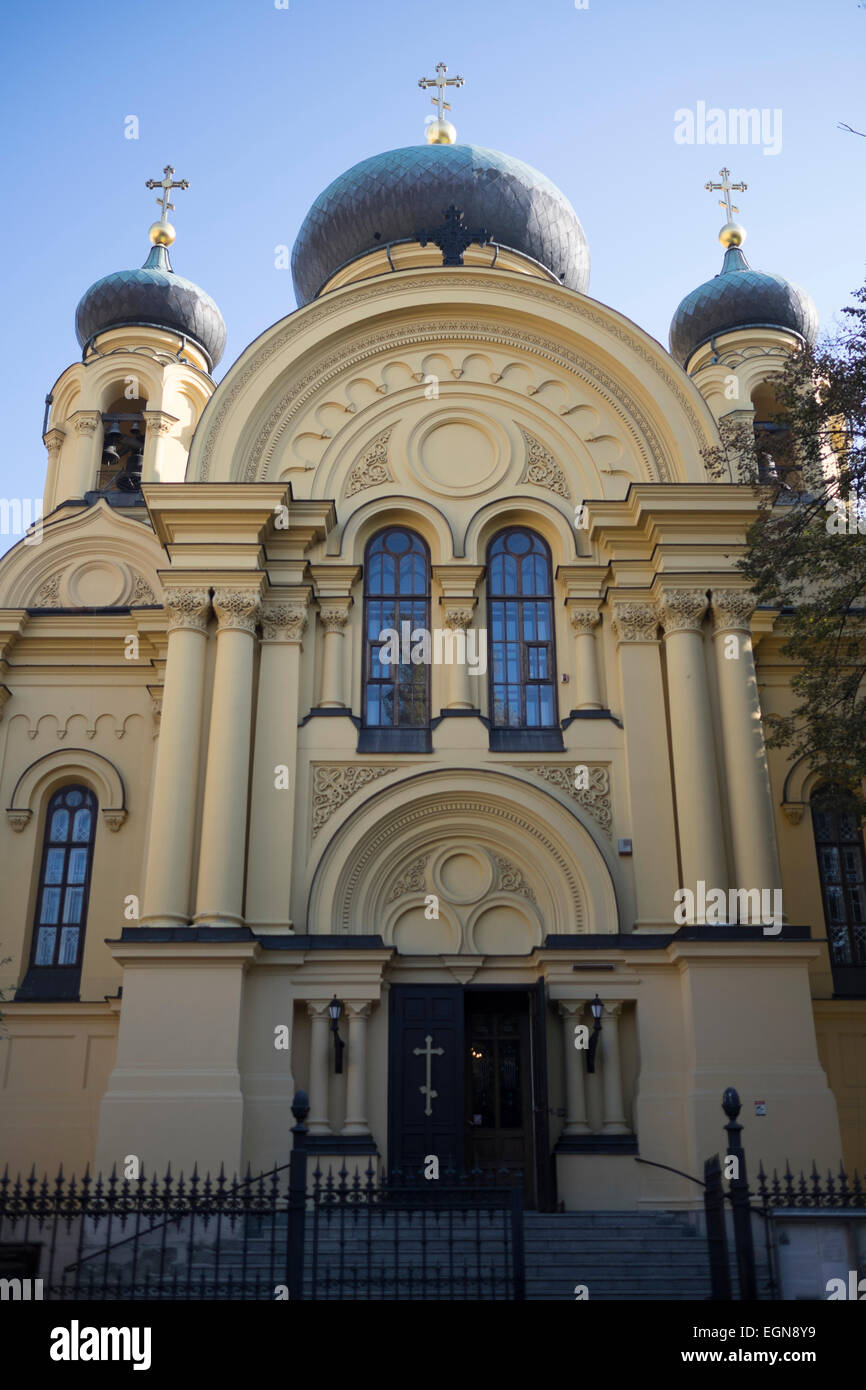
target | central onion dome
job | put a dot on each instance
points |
(394, 196)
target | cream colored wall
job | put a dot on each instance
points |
(840, 1026)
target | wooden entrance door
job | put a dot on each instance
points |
(498, 1087)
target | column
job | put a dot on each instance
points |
(81, 477)
(53, 442)
(651, 807)
(168, 867)
(158, 425)
(358, 1012)
(584, 618)
(333, 615)
(269, 871)
(224, 815)
(459, 692)
(571, 1011)
(611, 1069)
(753, 832)
(318, 1121)
(699, 817)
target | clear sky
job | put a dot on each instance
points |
(260, 107)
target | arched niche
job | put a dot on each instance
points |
(55, 770)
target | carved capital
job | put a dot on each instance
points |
(237, 609)
(317, 1007)
(18, 819)
(358, 1008)
(459, 615)
(793, 811)
(114, 819)
(612, 1008)
(636, 620)
(583, 620)
(284, 620)
(571, 1008)
(334, 617)
(85, 421)
(159, 422)
(187, 608)
(682, 610)
(732, 609)
(53, 441)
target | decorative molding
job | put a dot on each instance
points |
(53, 441)
(594, 799)
(636, 621)
(372, 469)
(511, 880)
(583, 620)
(18, 819)
(142, 593)
(284, 620)
(187, 608)
(85, 421)
(732, 609)
(48, 593)
(114, 819)
(237, 609)
(682, 610)
(793, 811)
(159, 422)
(459, 615)
(410, 881)
(334, 783)
(541, 467)
(334, 617)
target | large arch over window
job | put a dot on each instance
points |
(62, 895)
(522, 663)
(395, 691)
(842, 867)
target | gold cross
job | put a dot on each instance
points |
(166, 184)
(727, 188)
(441, 82)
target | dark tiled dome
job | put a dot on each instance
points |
(153, 295)
(392, 196)
(739, 297)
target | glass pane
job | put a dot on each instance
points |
(45, 946)
(542, 617)
(73, 905)
(59, 826)
(398, 541)
(547, 719)
(73, 798)
(482, 1085)
(50, 905)
(372, 714)
(518, 542)
(68, 946)
(509, 1085)
(54, 865)
(77, 866)
(81, 826)
(529, 633)
(533, 709)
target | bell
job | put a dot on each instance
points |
(111, 450)
(130, 479)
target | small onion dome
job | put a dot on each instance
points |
(153, 297)
(739, 297)
(392, 196)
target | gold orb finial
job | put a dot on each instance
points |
(440, 133)
(162, 233)
(732, 234)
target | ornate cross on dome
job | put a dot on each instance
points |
(166, 184)
(727, 188)
(453, 236)
(441, 82)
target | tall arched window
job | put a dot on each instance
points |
(841, 864)
(396, 689)
(64, 887)
(522, 650)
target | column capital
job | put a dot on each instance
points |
(159, 421)
(682, 610)
(85, 421)
(285, 619)
(458, 613)
(334, 615)
(53, 440)
(358, 1008)
(187, 608)
(317, 1007)
(568, 1008)
(636, 620)
(238, 608)
(582, 616)
(612, 1007)
(732, 609)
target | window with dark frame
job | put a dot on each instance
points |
(396, 592)
(842, 867)
(64, 879)
(520, 618)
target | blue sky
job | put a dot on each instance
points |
(260, 107)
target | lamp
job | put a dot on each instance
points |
(335, 1008)
(596, 1009)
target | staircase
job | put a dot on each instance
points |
(618, 1255)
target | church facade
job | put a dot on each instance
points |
(408, 675)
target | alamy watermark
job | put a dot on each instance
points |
(719, 907)
(20, 515)
(712, 125)
(443, 646)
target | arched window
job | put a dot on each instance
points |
(839, 846)
(64, 886)
(522, 651)
(396, 689)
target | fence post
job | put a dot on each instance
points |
(297, 1196)
(717, 1240)
(517, 1239)
(738, 1191)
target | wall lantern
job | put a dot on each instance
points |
(596, 1009)
(335, 1008)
